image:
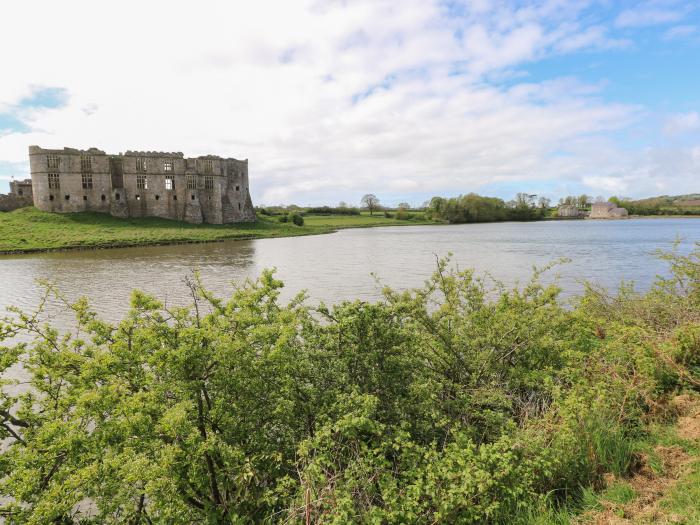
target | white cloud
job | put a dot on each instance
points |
(650, 16)
(680, 31)
(327, 99)
(682, 123)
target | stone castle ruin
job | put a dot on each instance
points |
(607, 210)
(205, 189)
(20, 195)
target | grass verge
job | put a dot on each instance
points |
(30, 230)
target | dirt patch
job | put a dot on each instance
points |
(649, 489)
(649, 486)
(689, 426)
(685, 404)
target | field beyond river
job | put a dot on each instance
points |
(30, 230)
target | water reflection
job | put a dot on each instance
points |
(340, 266)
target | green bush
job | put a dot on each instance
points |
(452, 403)
(297, 219)
(402, 214)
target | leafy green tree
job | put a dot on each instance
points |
(371, 202)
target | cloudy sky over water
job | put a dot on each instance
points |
(331, 99)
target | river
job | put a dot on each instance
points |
(341, 265)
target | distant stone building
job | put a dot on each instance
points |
(607, 210)
(20, 195)
(569, 211)
(208, 189)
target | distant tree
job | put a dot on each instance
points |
(582, 201)
(544, 203)
(371, 202)
(404, 206)
(599, 198)
(343, 204)
(524, 200)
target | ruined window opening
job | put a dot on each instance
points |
(54, 181)
(87, 181)
(140, 164)
(169, 182)
(174, 197)
(67, 197)
(207, 166)
(20, 192)
(50, 197)
(208, 182)
(191, 182)
(103, 197)
(138, 197)
(157, 197)
(239, 206)
(167, 165)
(142, 182)
(84, 197)
(116, 197)
(238, 188)
(192, 196)
(85, 163)
(53, 161)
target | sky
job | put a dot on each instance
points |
(332, 99)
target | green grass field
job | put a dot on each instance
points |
(28, 229)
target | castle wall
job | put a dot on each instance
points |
(20, 195)
(143, 184)
(607, 210)
(13, 202)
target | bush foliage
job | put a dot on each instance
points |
(475, 208)
(328, 210)
(454, 403)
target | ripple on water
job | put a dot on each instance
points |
(340, 266)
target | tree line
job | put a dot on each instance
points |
(475, 208)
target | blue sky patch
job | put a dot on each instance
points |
(45, 98)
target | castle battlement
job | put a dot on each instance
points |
(208, 188)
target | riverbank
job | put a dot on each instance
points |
(29, 230)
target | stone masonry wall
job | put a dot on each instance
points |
(207, 189)
(20, 195)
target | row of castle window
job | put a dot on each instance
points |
(141, 182)
(54, 161)
(67, 197)
(138, 198)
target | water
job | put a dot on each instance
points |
(340, 265)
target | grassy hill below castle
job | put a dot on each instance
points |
(31, 230)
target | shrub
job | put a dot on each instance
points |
(452, 403)
(298, 219)
(284, 218)
(327, 210)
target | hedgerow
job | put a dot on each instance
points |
(460, 402)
